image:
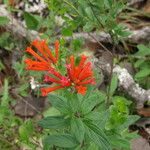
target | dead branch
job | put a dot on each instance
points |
(16, 28)
(126, 82)
(20, 31)
(99, 36)
(138, 36)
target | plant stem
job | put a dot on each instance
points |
(111, 72)
(70, 4)
(95, 15)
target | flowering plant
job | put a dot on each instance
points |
(77, 76)
(81, 122)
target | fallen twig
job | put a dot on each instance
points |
(127, 83)
(138, 36)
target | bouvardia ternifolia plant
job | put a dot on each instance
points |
(79, 123)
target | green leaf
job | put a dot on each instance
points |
(118, 113)
(143, 50)
(120, 31)
(77, 128)
(4, 38)
(99, 118)
(138, 63)
(121, 104)
(114, 84)
(3, 21)
(51, 111)
(54, 122)
(76, 44)
(67, 32)
(88, 27)
(64, 141)
(130, 120)
(90, 102)
(93, 146)
(26, 130)
(23, 89)
(119, 142)
(31, 21)
(89, 13)
(93, 115)
(23, 134)
(108, 3)
(97, 136)
(129, 135)
(4, 113)
(143, 73)
(59, 103)
(19, 67)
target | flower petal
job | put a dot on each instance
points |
(30, 50)
(38, 45)
(36, 65)
(86, 71)
(47, 90)
(47, 49)
(55, 73)
(82, 61)
(56, 50)
(50, 79)
(90, 81)
(81, 89)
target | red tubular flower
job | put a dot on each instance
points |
(80, 75)
(36, 65)
(56, 50)
(47, 90)
(44, 60)
(77, 77)
(57, 78)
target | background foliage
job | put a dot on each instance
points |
(100, 120)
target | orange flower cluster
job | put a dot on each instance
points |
(77, 76)
(42, 63)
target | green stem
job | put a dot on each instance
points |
(70, 4)
(111, 72)
(99, 22)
